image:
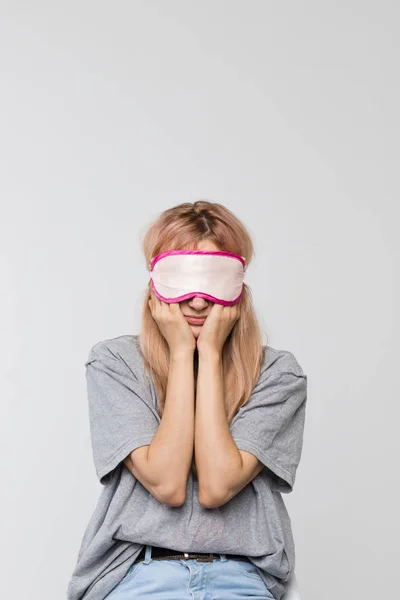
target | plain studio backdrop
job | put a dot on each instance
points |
(287, 113)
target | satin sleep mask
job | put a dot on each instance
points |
(218, 276)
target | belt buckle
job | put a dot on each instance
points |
(208, 558)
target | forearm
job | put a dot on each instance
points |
(171, 450)
(216, 454)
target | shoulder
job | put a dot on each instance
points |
(279, 368)
(280, 361)
(281, 377)
(124, 349)
(282, 381)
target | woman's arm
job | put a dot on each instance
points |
(164, 468)
(222, 469)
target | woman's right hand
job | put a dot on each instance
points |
(172, 324)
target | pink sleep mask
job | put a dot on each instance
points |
(217, 276)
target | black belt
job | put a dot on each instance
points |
(159, 553)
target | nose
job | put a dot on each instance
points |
(198, 303)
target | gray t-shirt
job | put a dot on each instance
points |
(255, 522)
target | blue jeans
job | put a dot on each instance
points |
(188, 579)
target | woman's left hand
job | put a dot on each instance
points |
(217, 327)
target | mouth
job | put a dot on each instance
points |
(195, 320)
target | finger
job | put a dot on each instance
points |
(175, 308)
(217, 308)
(165, 309)
(156, 305)
(233, 313)
(227, 313)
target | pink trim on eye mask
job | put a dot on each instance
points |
(218, 252)
(198, 294)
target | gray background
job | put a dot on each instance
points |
(286, 112)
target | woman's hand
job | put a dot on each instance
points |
(216, 328)
(173, 325)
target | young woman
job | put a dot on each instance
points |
(196, 430)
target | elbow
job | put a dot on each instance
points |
(172, 498)
(208, 500)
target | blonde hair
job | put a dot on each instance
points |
(182, 227)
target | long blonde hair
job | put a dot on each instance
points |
(182, 227)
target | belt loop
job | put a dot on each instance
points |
(147, 557)
(223, 557)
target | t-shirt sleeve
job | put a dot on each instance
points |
(271, 424)
(120, 419)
